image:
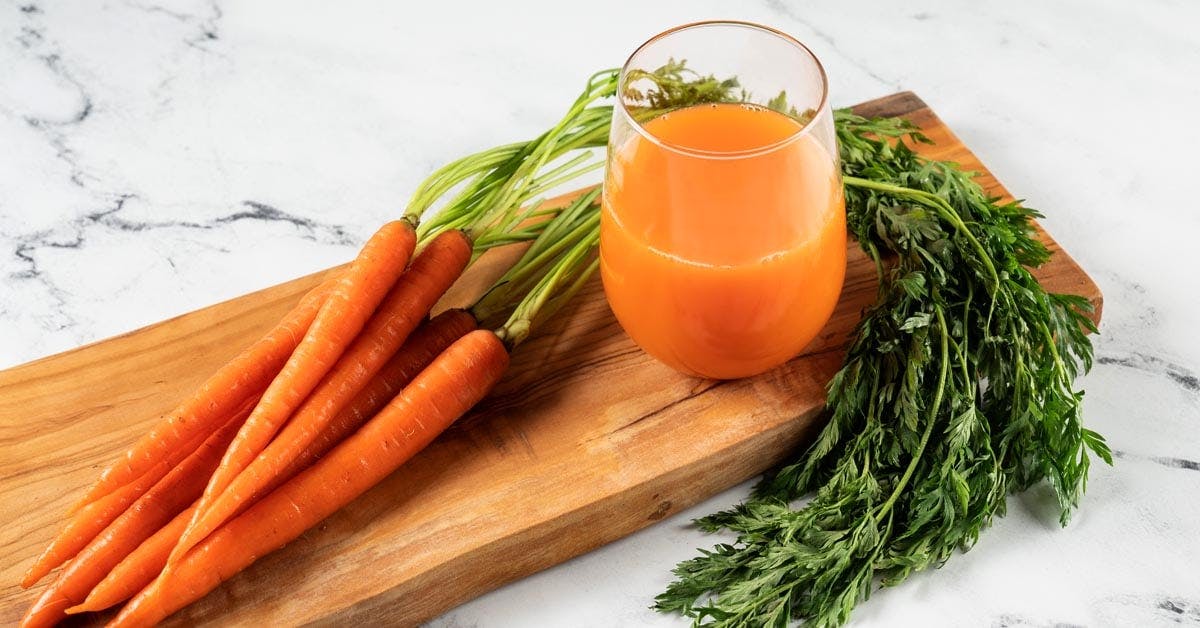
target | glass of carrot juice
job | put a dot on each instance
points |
(723, 228)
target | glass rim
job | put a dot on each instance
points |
(821, 110)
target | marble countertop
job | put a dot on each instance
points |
(156, 157)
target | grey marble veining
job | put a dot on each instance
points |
(158, 156)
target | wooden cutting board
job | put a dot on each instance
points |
(585, 441)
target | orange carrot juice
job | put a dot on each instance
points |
(722, 238)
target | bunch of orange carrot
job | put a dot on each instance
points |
(349, 385)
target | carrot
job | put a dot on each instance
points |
(246, 376)
(178, 435)
(456, 380)
(93, 518)
(138, 569)
(429, 340)
(170, 495)
(431, 274)
(426, 343)
(350, 303)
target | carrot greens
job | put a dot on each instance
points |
(957, 390)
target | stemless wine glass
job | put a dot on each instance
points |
(723, 228)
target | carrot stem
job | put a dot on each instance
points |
(561, 233)
(501, 180)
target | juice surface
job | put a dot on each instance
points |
(727, 264)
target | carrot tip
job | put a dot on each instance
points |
(75, 610)
(31, 578)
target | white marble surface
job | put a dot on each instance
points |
(159, 156)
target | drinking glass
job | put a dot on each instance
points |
(723, 226)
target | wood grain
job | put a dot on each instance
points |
(585, 441)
